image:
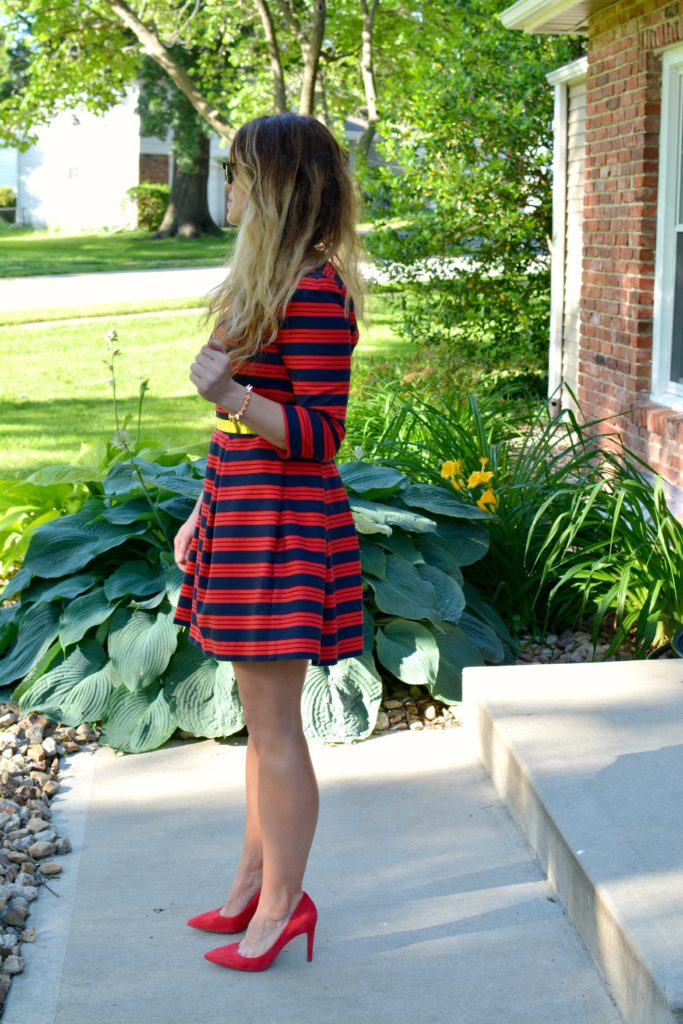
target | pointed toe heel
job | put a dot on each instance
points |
(303, 919)
(213, 921)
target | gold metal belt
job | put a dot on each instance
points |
(232, 426)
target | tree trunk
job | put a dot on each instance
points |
(279, 90)
(368, 74)
(187, 214)
(311, 54)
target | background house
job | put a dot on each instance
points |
(77, 174)
(617, 286)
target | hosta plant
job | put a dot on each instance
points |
(90, 636)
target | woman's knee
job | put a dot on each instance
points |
(271, 702)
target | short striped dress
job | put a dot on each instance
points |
(274, 565)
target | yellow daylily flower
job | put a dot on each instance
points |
(458, 483)
(479, 478)
(449, 469)
(487, 498)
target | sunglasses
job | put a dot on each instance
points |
(228, 171)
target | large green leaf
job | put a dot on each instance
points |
(371, 481)
(402, 544)
(141, 645)
(174, 578)
(19, 581)
(485, 612)
(373, 559)
(128, 511)
(202, 693)
(70, 542)
(82, 614)
(340, 702)
(466, 542)
(42, 591)
(136, 578)
(404, 592)
(483, 637)
(387, 515)
(439, 500)
(435, 552)
(450, 598)
(456, 652)
(38, 628)
(177, 508)
(76, 690)
(177, 479)
(410, 652)
(138, 721)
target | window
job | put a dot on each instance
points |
(667, 355)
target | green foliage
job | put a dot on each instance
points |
(8, 196)
(579, 530)
(152, 200)
(470, 125)
(91, 637)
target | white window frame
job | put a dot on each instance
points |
(665, 391)
(561, 79)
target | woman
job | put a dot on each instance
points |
(270, 554)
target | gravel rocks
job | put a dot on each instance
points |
(30, 748)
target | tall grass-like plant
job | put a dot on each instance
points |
(578, 530)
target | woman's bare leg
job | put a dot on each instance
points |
(287, 790)
(250, 869)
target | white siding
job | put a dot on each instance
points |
(573, 249)
(77, 174)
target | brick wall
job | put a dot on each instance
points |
(154, 167)
(623, 96)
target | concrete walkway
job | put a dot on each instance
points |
(66, 290)
(431, 908)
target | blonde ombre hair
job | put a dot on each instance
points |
(301, 210)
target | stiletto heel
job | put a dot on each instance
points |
(212, 921)
(303, 919)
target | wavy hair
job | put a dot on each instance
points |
(301, 210)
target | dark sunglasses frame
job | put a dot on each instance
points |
(227, 170)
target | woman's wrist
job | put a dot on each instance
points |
(233, 398)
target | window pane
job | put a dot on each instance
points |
(677, 332)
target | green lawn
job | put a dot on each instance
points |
(55, 392)
(26, 253)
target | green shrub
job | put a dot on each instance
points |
(8, 196)
(91, 637)
(579, 531)
(152, 200)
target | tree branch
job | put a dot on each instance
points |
(154, 48)
(367, 71)
(311, 53)
(279, 90)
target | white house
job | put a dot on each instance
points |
(77, 174)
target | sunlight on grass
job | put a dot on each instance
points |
(55, 390)
(25, 254)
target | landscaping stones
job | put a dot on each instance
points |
(30, 748)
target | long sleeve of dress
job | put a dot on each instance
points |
(316, 340)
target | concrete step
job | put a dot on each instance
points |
(589, 759)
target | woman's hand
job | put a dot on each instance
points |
(211, 373)
(183, 540)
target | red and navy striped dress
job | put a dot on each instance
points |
(274, 565)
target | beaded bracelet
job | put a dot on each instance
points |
(245, 402)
